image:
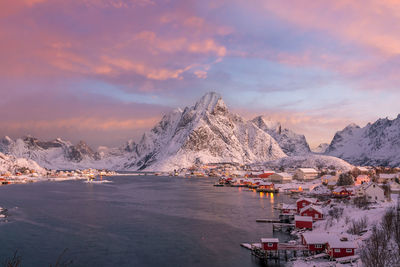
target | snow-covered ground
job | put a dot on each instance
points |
(340, 226)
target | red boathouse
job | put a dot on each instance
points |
(303, 222)
(304, 202)
(269, 243)
(312, 211)
(339, 249)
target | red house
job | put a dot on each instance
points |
(342, 191)
(265, 174)
(304, 202)
(338, 249)
(316, 242)
(312, 211)
(269, 243)
(305, 222)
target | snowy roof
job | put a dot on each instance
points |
(318, 238)
(311, 207)
(388, 175)
(366, 186)
(284, 174)
(340, 189)
(309, 199)
(303, 218)
(332, 183)
(308, 170)
(269, 240)
(327, 177)
(288, 206)
(336, 243)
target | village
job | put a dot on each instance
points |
(330, 217)
(26, 175)
(332, 214)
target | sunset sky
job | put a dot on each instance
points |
(104, 71)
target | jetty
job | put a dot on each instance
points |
(268, 220)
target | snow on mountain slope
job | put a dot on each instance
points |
(206, 132)
(374, 144)
(291, 143)
(320, 149)
(310, 161)
(11, 164)
(56, 154)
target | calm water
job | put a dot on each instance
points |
(134, 221)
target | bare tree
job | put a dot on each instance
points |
(376, 251)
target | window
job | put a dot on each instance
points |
(318, 246)
(349, 250)
(337, 250)
(270, 245)
(316, 216)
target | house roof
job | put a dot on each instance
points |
(336, 243)
(303, 218)
(340, 189)
(309, 199)
(288, 206)
(388, 175)
(368, 185)
(318, 238)
(307, 170)
(269, 240)
(317, 209)
(284, 174)
(362, 176)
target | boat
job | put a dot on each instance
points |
(218, 184)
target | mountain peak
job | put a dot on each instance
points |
(210, 102)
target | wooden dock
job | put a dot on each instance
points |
(268, 220)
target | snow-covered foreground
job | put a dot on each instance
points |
(340, 227)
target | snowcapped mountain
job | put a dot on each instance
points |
(11, 164)
(375, 144)
(292, 144)
(320, 149)
(56, 154)
(206, 132)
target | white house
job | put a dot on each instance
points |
(394, 187)
(306, 174)
(372, 191)
(387, 177)
(281, 177)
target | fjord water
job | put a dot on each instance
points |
(134, 221)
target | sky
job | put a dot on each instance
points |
(105, 71)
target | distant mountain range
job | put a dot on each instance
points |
(375, 144)
(209, 133)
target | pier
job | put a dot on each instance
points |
(283, 251)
